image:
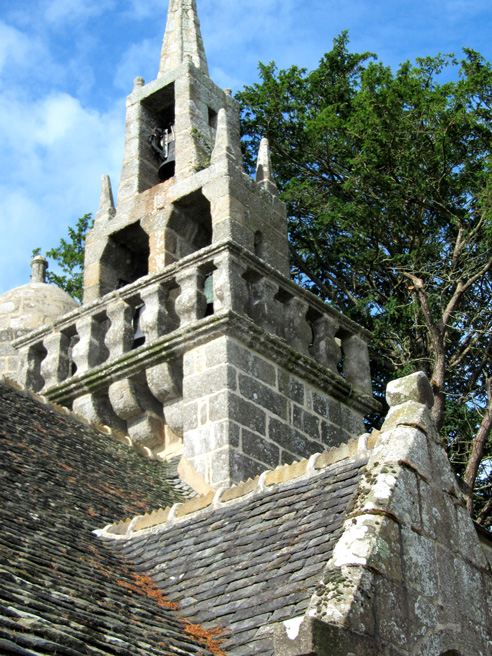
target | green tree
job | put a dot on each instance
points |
(69, 258)
(387, 178)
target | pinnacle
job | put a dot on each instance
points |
(225, 144)
(183, 38)
(106, 203)
(264, 171)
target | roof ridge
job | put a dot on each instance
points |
(167, 517)
(62, 410)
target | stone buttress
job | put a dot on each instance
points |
(192, 335)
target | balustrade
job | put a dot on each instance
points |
(156, 320)
(263, 306)
(56, 365)
(29, 375)
(298, 333)
(356, 368)
(178, 298)
(191, 303)
(86, 354)
(119, 338)
(325, 348)
(230, 289)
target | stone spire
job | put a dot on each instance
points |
(182, 38)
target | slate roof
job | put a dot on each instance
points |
(62, 591)
(251, 562)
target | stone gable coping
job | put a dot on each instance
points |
(167, 517)
(105, 430)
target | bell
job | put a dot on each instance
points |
(167, 168)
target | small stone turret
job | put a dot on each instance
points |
(26, 308)
(192, 335)
(39, 265)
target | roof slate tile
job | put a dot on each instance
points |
(253, 561)
(61, 589)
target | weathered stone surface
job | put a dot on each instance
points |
(305, 636)
(404, 444)
(415, 387)
(413, 414)
(27, 308)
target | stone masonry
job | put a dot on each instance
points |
(191, 335)
(408, 575)
(28, 308)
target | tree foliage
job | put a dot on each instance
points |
(69, 258)
(387, 178)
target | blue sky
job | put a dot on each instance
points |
(66, 67)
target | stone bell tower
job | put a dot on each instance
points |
(192, 335)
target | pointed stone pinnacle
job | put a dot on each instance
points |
(224, 142)
(182, 38)
(106, 203)
(264, 171)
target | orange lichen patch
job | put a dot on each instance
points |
(208, 637)
(146, 587)
(91, 512)
(66, 467)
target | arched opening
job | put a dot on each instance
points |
(125, 258)
(189, 228)
(157, 145)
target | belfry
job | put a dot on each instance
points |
(192, 337)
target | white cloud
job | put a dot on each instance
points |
(136, 61)
(62, 12)
(55, 152)
(140, 9)
(14, 46)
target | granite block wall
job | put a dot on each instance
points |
(244, 414)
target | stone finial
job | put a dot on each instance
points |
(39, 266)
(138, 83)
(182, 38)
(415, 387)
(224, 141)
(264, 171)
(106, 202)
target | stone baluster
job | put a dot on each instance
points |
(29, 375)
(87, 352)
(356, 368)
(119, 338)
(325, 348)
(155, 319)
(191, 303)
(230, 288)
(56, 366)
(264, 305)
(298, 332)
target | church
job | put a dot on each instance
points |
(184, 464)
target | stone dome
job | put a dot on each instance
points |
(27, 308)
